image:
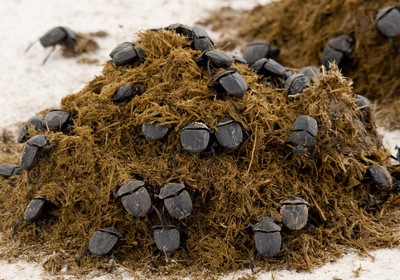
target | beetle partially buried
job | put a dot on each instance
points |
(305, 129)
(177, 200)
(267, 237)
(295, 212)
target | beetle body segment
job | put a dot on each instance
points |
(296, 83)
(388, 21)
(295, 212)
(201, 39)
(214, 58)
(167, 238)
(58, 35)
(267, 237)
(231, 82)
(380, 175)
(195, 137)
(177, 200)
(36, 122)
(103, 241)
(154, 131)
(336, 49)
(229, 133)
(269, 67)
(135, 198)
(8, 170)
(35, 209)
(56, 119)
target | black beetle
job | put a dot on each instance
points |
(311, 72)
(181, 29)
(127, 53)
(380, 175)
(103, 242)
(269, 67)
(267, 237)
(56, 119)
(259, 50)
(363, 104)
(36, 122)
(336, 49)
(295, 212)
(195, 137)
(388, 21)
(154, 130)
(229, 133)
(201, 39)
(60, 35)
(8, 170)
(296, 83)
(229, 81)
(135, 198)
(126, 92)
(305, 129)
(215, 59)
(35, 211)
(33, 149)
(167, 237)
(177, 200)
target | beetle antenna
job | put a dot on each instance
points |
(47, 57)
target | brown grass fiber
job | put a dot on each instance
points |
(228, 190)
(301, 29)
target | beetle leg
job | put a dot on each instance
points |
(42, 230)
(110, 269)
(30, 46)
(84, 253)
(15, 228)
(251, 263)
(208, 67)
(234, 105)
(47, 57)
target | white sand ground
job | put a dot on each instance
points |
(26, 88)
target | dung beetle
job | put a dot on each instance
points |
(305, 129)
(103, 242)
(269, 67)
(363, 104)
(127, 53)
(181, 29)
(229, 133)
(167, 237)
(195, 137)
(310, 71)
(267, 237)
(177, 200)
(201, 39)
(380, 175)
(60, 35)
(337, 49)
(259, 50)
(295, 212)
(126, 92)
(8, 170)
(35, 211)
(36, 122)
(33, 149)
(388, 21)
(215, 59)
(229, 81)
(154, 130)
(57, 119)
(296, 83)
(135, 198)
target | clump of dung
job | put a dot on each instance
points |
(229, 190)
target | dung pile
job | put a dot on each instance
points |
(228, 190)
(301, 30)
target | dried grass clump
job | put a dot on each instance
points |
(228, 190)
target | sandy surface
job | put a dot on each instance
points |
(27, 87)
